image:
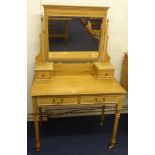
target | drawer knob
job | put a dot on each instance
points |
(43, 75)
(106, 74)
(62, 100)
(96, 99)
(103, 99)
(53, 100)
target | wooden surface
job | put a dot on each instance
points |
(104, 66)
(73, 68)
(102, 37)
(65, 85)
(75, 11)
(42, 75)
(54, 18)
(78, 55)
(44, 66)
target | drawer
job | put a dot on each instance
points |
(98, 99)
(103, 70)
(42, 74)
(57, 100)
(105, 74)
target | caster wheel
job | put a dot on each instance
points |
(37, 149)
(111, 146)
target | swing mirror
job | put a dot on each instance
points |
(74, 33)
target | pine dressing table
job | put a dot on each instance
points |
(80, 78)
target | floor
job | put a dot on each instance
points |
(79, 136)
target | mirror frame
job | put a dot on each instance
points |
(73, 11)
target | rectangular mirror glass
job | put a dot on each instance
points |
(73, 34)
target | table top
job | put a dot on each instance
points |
(75, 85)
(104, 66)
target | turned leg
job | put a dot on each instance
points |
(113, 140)
(117, 116)
(102, 115)
(36, 120)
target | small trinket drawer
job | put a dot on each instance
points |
(103, 70)
(44, 71)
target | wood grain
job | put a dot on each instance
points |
(65, 85)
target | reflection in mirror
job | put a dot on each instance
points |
(73, 34)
